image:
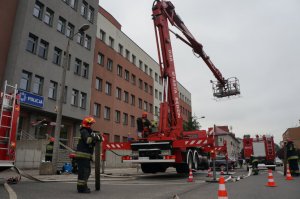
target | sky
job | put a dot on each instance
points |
(256, 41)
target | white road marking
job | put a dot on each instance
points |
(12, 194)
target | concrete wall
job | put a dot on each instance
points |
(30, 153)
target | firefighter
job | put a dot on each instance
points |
(49, 150)
(254, 163)
(292, 158)
(84, 153)
(144, 126)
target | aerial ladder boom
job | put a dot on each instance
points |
(166, 10)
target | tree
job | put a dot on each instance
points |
(191, 124)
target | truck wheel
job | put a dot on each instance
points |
(196, 160)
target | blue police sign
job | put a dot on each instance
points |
(32, 99)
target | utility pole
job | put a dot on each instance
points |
(60, 101)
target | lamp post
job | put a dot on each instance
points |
(60, 100)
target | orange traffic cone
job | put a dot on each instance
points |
(288, 173)
(190, 179)
(271, 182)
(222, 193)
(209, 172)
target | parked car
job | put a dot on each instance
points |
(221, 163)
(278, 162)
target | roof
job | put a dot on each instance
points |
(222, 130)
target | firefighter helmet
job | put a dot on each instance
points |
(144, 115)
(88, 121)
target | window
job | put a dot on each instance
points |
(160, 80)
(38, 10)
(48, 18)
(96, 110)
(85, 70)
(145, 106)
(106, 113)
(111, 42)
(74, 97)
(151, 90)
(133, 59)
(133, 79)
(52, 90)
(156, 77)
(120, 50)
(118, 93)
(126, 76)
(102, 35)
(156, 94)
(38, 85)
(156, 110)
(119, 70)
(132, 121)
(109, 65)
(100, 59)
(145, 87)
(126, 96)
(127, 54)
(80, 38)
(150, 108)
(73, 3)
(117, 116)
(108, 88)
(43, 49)
(140, 64)
(140, 103)
(132, 100)
(57, 56)
(98, 84)
(82, 101)
(116, 138)
(87, 42)
(150, 72)
(90, 14)
(70, 30)
(125, 119)
(83, 10)
(77, 67)
(160, 96)
(25, 80)
(146, 69)
(32, 43)
(140, 84)
(61, 25)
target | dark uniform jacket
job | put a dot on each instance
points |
(85, 146)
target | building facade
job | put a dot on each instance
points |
(126, 82)
(35, 58)
(294, 135)
(222, 133)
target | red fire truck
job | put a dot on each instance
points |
(170, 146)
(10, 110)
(261, 148)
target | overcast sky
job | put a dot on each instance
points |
(257, 41)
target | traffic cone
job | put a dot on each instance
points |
(222, 193)
(209, 173)
(190, 179)
(271, 182)
(288, 173)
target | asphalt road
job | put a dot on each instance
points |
(163, 186)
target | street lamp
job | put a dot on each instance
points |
(59, 104)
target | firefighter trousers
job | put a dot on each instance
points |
(84, 171)
(294, 168)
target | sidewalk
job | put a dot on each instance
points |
(109, 174)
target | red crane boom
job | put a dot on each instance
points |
(170, 117)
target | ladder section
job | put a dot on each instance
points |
(7, 113)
